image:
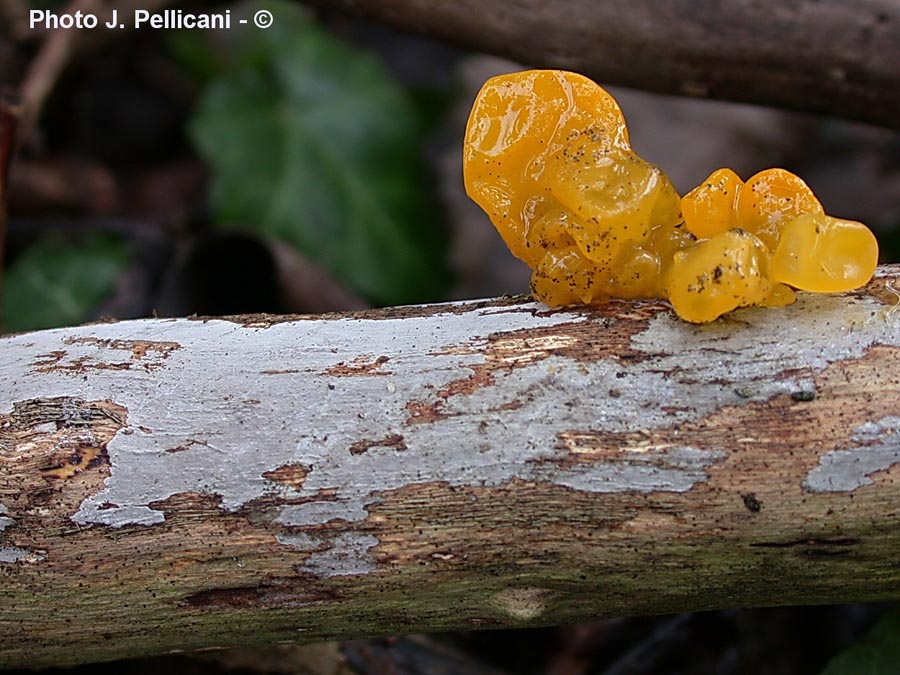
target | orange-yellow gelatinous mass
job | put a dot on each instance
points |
(770, 200)
(709, 209)
(547, 156)
(730, 270)
(824, 254)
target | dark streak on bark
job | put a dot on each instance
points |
(815, 542)
(299, 591)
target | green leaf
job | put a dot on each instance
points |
(311, 142)
(56, 282)
(878, 653)
(194, 53)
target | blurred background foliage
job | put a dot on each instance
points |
(56, 283)
(877, 653)
(316, 167)
(314, 143)
(294, 145)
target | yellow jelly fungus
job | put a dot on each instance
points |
(824, 254)
(547, 156)
(770, 200)
(781, 295)
(718, 275)
(711, 207)
(565, 277)
(547, 152)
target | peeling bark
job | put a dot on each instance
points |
(178, 484)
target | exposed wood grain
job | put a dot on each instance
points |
(177, 484)
(837, 57)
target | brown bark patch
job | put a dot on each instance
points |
(361, 365)
(394, 441)
(885, 289)
(888, 476)
(467, 526)
(139, 348)
(188, 505)
(46, 362)
(245, 597)
(292, 475)
(609, 446)
(605, 332)
(80, 458)
(514, 303)
(481, 377)
(422, 411)
(60, 436)
(53, 456)
(506, 303)
(145, 354)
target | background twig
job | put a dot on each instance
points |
(48, 65)
(60, 48)
(836, 58)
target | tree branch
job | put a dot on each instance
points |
(836, 57)
(176, 484)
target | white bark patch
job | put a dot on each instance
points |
(750, 349)
(14, 554)
(845, 470)
(5, 521)
(676, 469)
(347, 553)
(228, 404)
